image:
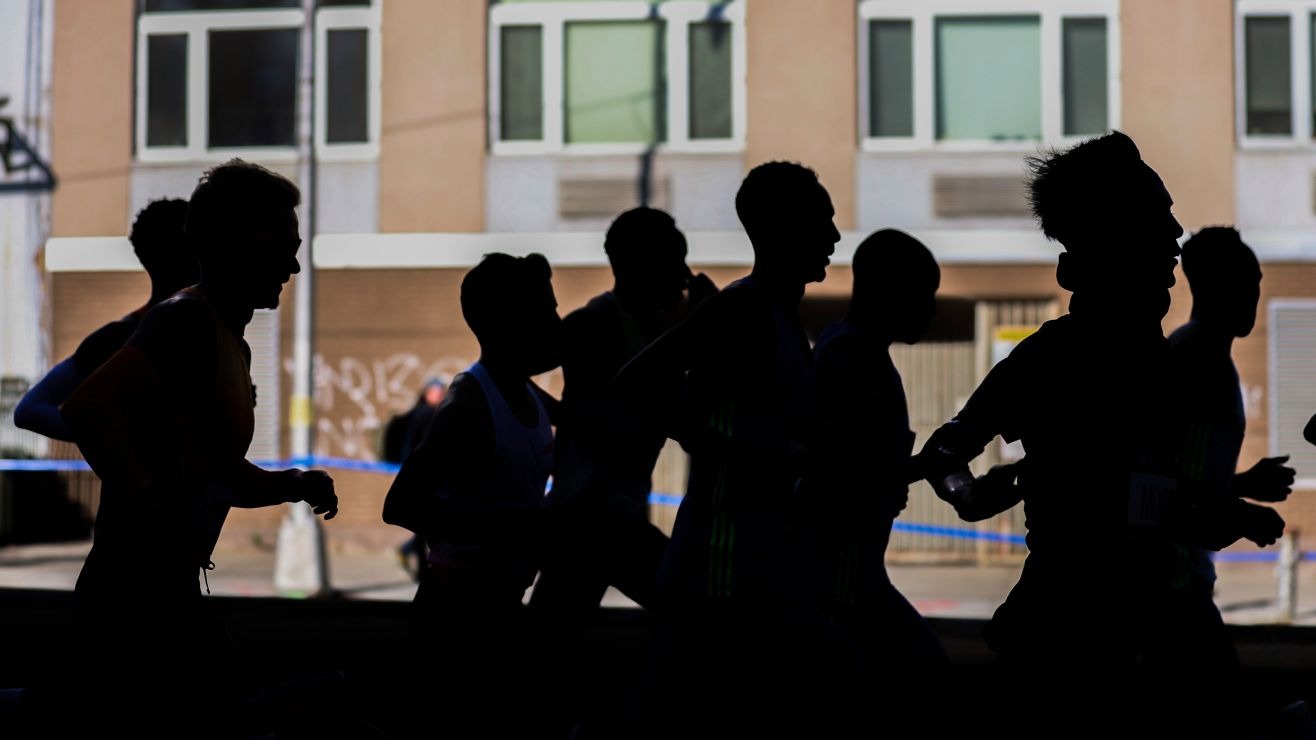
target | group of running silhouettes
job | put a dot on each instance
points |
(775, 613)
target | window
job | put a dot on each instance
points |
(989, 78)
(1292, 337)
(253, 88)
(1273, 74)
(616, 76)
(957, 74)
(166, 90)
(218, 78)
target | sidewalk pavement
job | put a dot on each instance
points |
(1245, 591)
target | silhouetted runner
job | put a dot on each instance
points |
(157, 240)
(160, 422)
(474, 489)
(1091, 397)
(1225, 278)
(859, 475)
(739, 632)
(603, 475)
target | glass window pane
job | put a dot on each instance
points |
(166, 90)
(253, 87)
(1086, 76)
(1313, 76)
(710, 80)
(612, 82)
(1268, 63)
(890, 78)
(989, 78)
(168, 6)
(521, 84)
(347, 89)
(341, 3)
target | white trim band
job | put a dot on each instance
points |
(563, 249)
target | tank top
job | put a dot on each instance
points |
(523, 461)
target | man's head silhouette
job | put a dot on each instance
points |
(788, 214)
(242, 225)
(509, 304)
(1112, 214)
(1225, 278)
(647, 253)
(895, 286)
(158, 241)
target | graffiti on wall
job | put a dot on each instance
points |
(355, 397)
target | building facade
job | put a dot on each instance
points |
(444, 130)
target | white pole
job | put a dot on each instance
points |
(301, 565)
(1286, 572)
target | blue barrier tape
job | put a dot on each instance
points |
(43, 465)
(958, 533)
(665, 499)
(337, 463)
(1254, 557)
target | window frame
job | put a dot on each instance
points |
(552, 18)
(922, 16)
(1299, 13)
(196, 25)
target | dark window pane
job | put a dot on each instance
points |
(1312, 23)
(710, 80)
(253, 87)
(1268, 63)
(348, 93)
(341, 3)
(891, 78)
(166, 90)
(167, 6)
(1085, 95)
(521, 87)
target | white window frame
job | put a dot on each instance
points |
(553, 17)
(922, 14)
(1299, 13)
(329, 19)
(196, 25)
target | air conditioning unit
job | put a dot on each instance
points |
(592, 197)
(979, 196)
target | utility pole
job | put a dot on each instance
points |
(301, 564)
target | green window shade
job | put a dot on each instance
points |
(989, 78)
(710, 80)
(890, 78)
(521, 85)
(1268, 63)
(612, 86)
(1085, 76)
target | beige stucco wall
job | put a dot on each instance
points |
(801, 91)
(1178, 100)
(93, 92)
(432, 141)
